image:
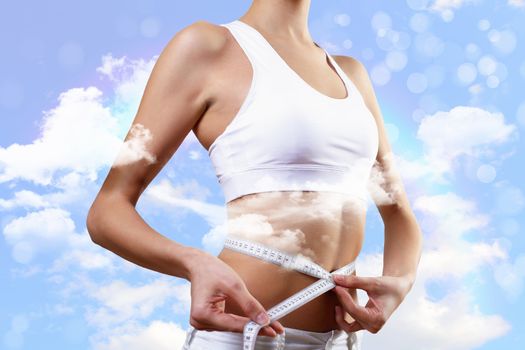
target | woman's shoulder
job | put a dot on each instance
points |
(200, 38)
(354, 69)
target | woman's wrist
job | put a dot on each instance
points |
(191, 258)
(406, 282)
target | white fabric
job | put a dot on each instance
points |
(287, 135)
(296, 339)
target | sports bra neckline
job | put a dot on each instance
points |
(339, 71)
(287, 136)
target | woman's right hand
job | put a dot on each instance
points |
(212, 282)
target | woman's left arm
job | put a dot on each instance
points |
(403, 237)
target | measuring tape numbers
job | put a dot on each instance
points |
(295, 262)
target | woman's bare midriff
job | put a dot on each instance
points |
(326, 227)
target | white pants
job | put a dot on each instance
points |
(295, 339)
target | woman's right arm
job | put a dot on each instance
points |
(174, 99)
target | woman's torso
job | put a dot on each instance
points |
(328, 227)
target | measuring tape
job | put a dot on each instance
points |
(298, 263)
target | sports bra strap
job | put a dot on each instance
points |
(255, 48)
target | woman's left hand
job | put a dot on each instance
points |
(385, 294)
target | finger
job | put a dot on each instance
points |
(277, 326)
(356, 311)
(354, 327)
(249, 305)
(231, 323)
(221, 321)
(371, 284)
(269, 331)
(343, 325)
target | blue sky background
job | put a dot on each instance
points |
(449, 77)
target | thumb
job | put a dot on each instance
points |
(250, 306)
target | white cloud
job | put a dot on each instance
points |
(462, 131)
(52, 231)
(182, 295)
(516, 3)
(510, 276)
(14, 337)
(156, 335)
(508, 199)
(24, 198)
(84, 259)
(446, 8)
(446, 219)
(213, 240)
(258, 228)
(121, 302)
(453, 322)
(380, 178)
(189, 196)
(450, 136)
(71, 190)
(129, 78)
(121, 305)
(40, 231)
(134, 148)
(66, 142)
(444, 5)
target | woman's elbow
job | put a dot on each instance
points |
(92, 224)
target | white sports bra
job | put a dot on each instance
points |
(288, 136)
